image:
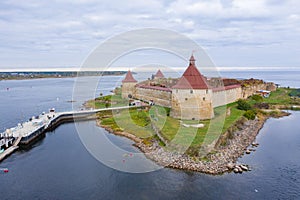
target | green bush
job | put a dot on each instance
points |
(257, 97)
(295, 93)
(250, 114)
(167, 111)
(243, 105)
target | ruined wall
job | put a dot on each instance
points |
(128, 89)
(192, 104)
(224, 97)
(251, 89)
(162, 98)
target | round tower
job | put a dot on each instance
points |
(191, 96)
(128, 86)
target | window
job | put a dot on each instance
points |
(176, 91)
(203, 98)
(206, 91)
(186, 99)
(191, 91)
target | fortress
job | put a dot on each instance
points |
(192, 96)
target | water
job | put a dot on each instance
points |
(59, 166)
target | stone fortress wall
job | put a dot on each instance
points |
(160, 97)
(223, 97)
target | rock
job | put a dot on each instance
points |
(244, 167)
(248, 151)
(255, 144)
(230, 166)
(236, 170)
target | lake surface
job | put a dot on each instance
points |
(60, 167)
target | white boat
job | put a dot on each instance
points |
(4, 170)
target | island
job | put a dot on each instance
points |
(194, 122)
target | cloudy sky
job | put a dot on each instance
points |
(235, 33)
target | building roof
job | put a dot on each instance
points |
(191, 78)
(159, 74)
(129, 78)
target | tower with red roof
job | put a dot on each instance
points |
(128, 85)
(159, 74)
(191, 95)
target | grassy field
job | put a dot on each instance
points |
(281, 97)
(173, 130)
(107, 102)
(134, 121)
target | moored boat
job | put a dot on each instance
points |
(4, 170)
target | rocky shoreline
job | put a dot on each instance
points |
(224, 160)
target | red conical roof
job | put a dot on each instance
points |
(191, 78)
(129, 78)
(159, 74)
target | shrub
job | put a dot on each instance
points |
(250, 114)
(243, 105)
(168, 111)
(295, 93)
(257, 97)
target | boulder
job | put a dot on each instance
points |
(244, 167)
(236, 170)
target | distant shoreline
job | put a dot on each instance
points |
(53, 74)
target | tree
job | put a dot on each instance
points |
(257, 97)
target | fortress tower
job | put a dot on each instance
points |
(191, 96)
(128, 85)
(158, 75)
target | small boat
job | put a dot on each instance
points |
(4, 170)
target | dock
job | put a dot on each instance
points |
(29, 131)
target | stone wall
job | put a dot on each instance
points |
(160, 97)
(192, 104)
(224, 97)
(128, 89)
(248, 91)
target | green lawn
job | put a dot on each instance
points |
(180, 135)
(281, 96)
(134, 121)
(107, 102)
